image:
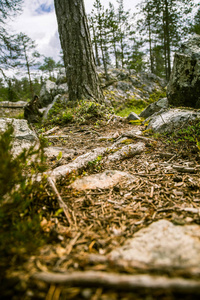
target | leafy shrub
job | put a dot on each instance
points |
(20, 198)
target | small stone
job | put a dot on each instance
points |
(103, 180)
(133, 117)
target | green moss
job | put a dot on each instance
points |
(156, 95)
(82, 113)
(130, 105)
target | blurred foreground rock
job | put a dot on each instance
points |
(163, 244)
(23, 137)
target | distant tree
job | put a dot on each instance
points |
(113, 29)
(124, 32)
(135, 58)
(166, 22)
(100, 34)
(8, 46)
(28, 55)
(83, 81)
(48, 65)
(60, 63)
(196, 25)
(94, 36)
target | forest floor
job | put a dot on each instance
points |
(103, 219)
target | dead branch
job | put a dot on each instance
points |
(61, 203)
(135, 136)
(184, 169)
(120, 281)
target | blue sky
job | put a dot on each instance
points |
(45, 8)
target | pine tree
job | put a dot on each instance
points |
(196, 25)
(124, 28)
(28, 55)
(48, 65)
(113, 28)
(102, 34)
(8, 47)
(93, 29)
(167, 22)
(82, 78)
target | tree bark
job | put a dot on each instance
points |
(82, 78)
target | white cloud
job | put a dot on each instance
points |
(38, 21)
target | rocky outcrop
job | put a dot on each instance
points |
(124, 85)
(172, 119)
(23, 137)
(50, 90)
(184, 85)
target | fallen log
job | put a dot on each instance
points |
(120, 282)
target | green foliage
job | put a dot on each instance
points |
(82, 113)
(95, 164)
(8, 46)
(196, 26)
(113, 36)
(19, 89)
(155, 96)
(20, 198)
(49, 65)
(130, 105)
(164, 23)
(187, 136)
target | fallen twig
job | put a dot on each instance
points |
(61, 203)
(184, 169)
(120, 281)
(135, 136)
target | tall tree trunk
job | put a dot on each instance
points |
(96, 47)
(82, 78)
(29, 73)
(150, 48)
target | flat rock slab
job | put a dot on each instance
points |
(103, 180)
(163, 244)
(172, 119)
(8, 104)
(23, 137)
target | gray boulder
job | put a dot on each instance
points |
(154, 107)
(49, 90)
(23, 137)
(172, 119)
(184, 85)
(47, 93)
